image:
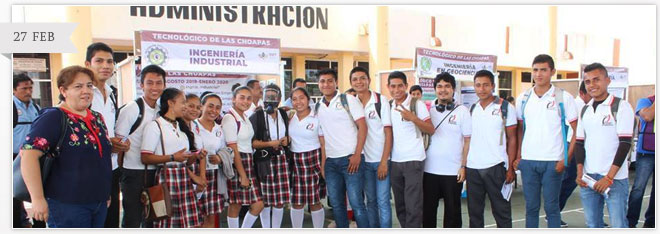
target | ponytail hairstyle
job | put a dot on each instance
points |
(170, 94)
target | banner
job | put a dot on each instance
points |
(210, 53)
(463, 66)
(618, 76)
(199, 82)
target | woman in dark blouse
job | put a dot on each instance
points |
(77, 191)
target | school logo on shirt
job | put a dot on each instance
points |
(452, 120)
(19, 112)
(496, 111)
(607, 120)
(551, 105)
(372, 115)
(310, 127)
(338, 106)
(218, 134)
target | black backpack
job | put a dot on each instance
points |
(138, 121)
(16, 115)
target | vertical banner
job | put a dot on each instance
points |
(210, 53)
(463, 66)
(618, 77)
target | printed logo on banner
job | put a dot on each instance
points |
(425, 63)
(157, 55)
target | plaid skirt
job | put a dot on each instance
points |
(238, 194)
(185, 212)
(275, 188)
(211, 202)
(306, 175)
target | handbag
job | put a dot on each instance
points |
(46, 161)
(156, 199)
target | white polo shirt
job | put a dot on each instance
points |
(174, 139)
(273, 128)
(446, 150)
(241, 137)
(373, 147)
(212, 141)
(305, 133)
(107, 110)
(128, 116)
(339, 129)
(579, 103)
(253, 107)
(485, 149)
(603, 134)
(543, 139)
(406, 145)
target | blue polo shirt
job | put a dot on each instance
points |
(641, 104)
(82, 172)
(25, 114)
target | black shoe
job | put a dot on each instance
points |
(606, 225)
(564, 224)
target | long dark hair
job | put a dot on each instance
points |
(170, 94)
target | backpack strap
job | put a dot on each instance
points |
(504, 112)
(285, 118)
(614, 107)
(113, 98)
(316, 107)
(472, 107)
(238, 123)
(138, 121)
(378, 104)
(525, 98)
(347, 108)
(413, 109)
(559, 100)
(15, 115)
(584, 110)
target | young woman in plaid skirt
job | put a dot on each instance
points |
(213, 139)
(243, 188)
(309, 158)
(177, 142)
(270, 138)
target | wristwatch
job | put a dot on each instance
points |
(171, 157)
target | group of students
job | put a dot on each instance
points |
(356, 148)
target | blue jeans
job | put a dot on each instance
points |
(644, 169)
(593, 201)
(64, 215)
(339, 182)
(379, 208)
(540, 177)
(568, 183)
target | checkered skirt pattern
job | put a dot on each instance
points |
(211, 202)
(275, 189)
(185, 212)
(306, 175)
(238, 194)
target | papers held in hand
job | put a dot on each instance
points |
(591, 182)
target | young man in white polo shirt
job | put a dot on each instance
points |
(444, 168)
(493, 148)
(604, 134)
(542, 113)
(99, 59)
(345, 132)
(407, 151)
(377, 150)
(130, 124)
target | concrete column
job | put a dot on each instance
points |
(82, 35)
(345, 65)
(552, 29)
(379, 50)
(298, 66)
